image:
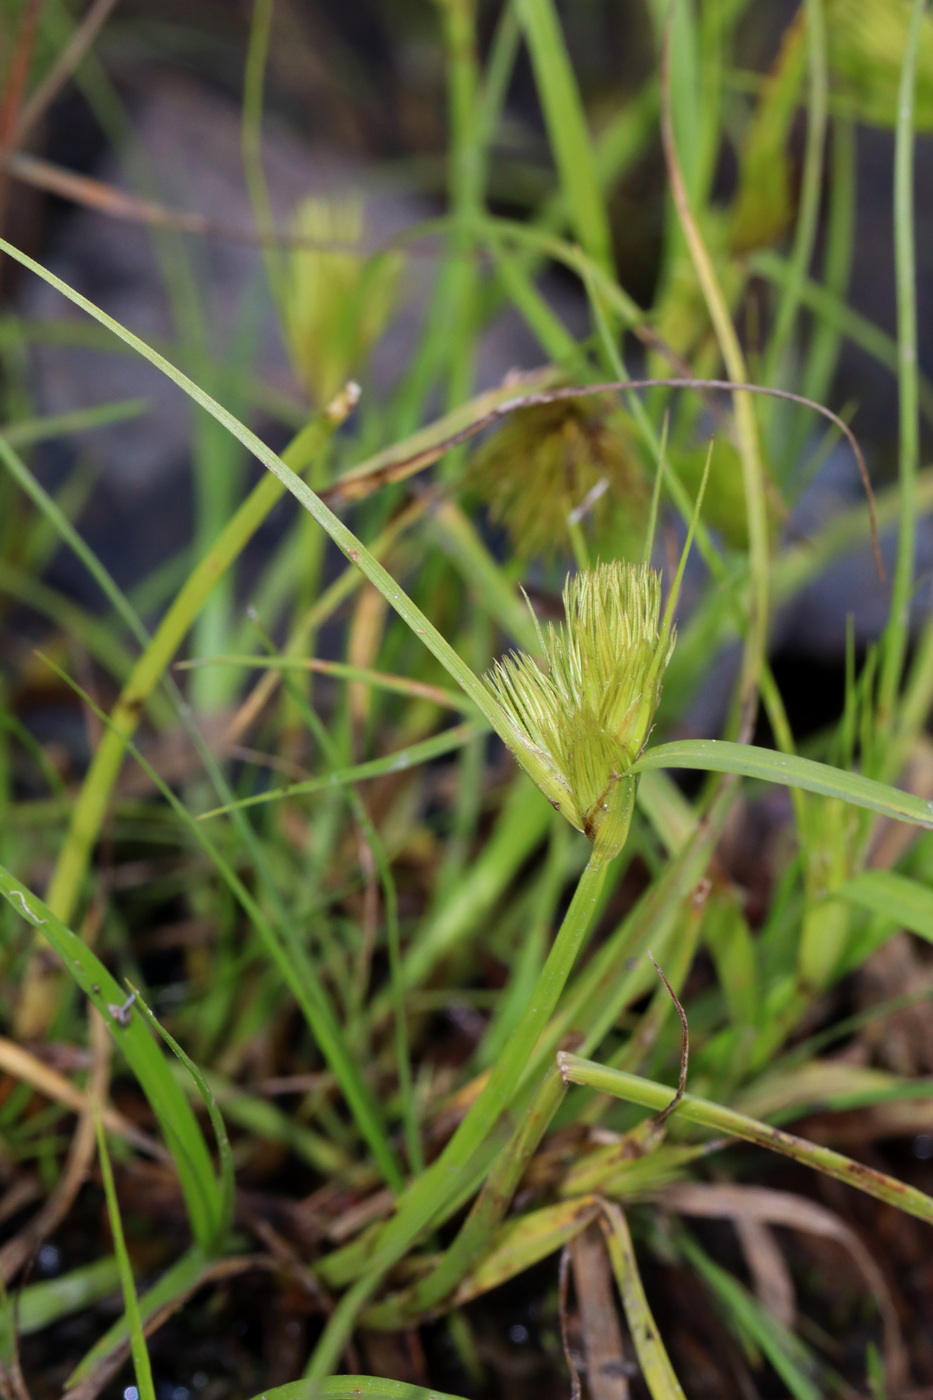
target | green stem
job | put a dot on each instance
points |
(251, 143)
(567, 129)
(897, 632)
(753, 470)
(726, 1121)
(91, 806)
(426, 1197)
(822, 352)
(490, 1206)
(141, 1364)
(808, 219)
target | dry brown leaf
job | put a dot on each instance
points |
(17, 1251)
(766, 1206)
(599, 1318)
(771, 1278)
(29, 1069)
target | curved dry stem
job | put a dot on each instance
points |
(355, 487)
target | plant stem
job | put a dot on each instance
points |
(896, 634)
(426, 1197)
(725, 1120)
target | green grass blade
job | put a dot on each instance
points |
(901, 901)
(567, 129)
(140, 1353)
(66, 532)
(27, 431)
(224, 1153)
(789, 1357)
(525, 1240)
(173, 1113)
(898, 629)
(718, 756)
(353, 1388)
(445, 742)
(811, 191)
(400, 685)
(41, 1305)
(180, 1280)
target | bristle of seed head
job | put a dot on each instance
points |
(582, 717)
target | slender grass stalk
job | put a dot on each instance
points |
(822, 353)
(142, 1366)
(450, 338)
(399, 685)
(251, 144)
(448, 741)
(468, 130)
(725, 1120)
(567, 129)
(898, 630)
(178, 1282)
(753, 470)
(69, 535)
(503, 51)
(617, 973)
(811, 190)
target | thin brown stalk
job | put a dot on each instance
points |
(17, 1251)
(14, 87)
(71, 55)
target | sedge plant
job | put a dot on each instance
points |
(328, 921)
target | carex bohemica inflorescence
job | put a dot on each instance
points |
(579, 721)
(549, 459)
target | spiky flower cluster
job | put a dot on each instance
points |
(579, 722)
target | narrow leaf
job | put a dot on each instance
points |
(718, 756)
(898, 899)
(171, 1108)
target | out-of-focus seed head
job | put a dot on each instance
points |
(548, 461)
(336, 303)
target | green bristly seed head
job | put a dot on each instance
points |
(580, 721)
